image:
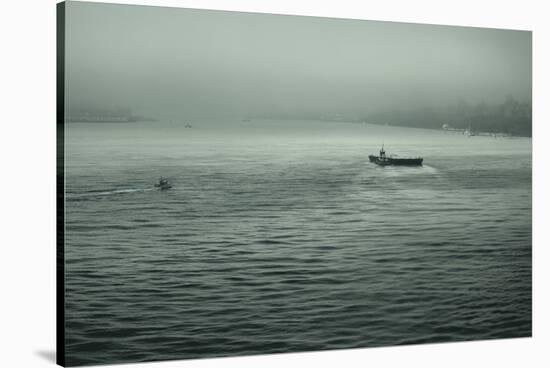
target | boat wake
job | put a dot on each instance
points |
(408, 170)
(429, 169)
(89, 195)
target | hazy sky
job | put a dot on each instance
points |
(172, 63)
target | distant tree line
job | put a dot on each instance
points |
(510, 117)
(117, 114)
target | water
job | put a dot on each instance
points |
(281, 236)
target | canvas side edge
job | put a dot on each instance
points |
(60, 183)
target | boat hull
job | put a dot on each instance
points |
(389, 161)
(163, 187)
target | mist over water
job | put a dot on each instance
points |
(181, 64)
(280, 236)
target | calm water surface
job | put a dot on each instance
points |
(280, 236)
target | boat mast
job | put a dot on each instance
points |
(382, 152)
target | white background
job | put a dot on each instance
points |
(27, 185)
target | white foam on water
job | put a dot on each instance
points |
(107, 193)
(393, 171)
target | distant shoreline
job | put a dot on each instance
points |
(109, 121)
(457, 131)
(101, 121)
(450, 131)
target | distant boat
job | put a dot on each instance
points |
(163, 184)
(188, 126)
(469, 132)
(384, 160)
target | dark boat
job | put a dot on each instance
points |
(163, 184)
(384, 160)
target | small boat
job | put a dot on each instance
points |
(163, 184)
(384, 160)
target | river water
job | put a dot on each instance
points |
(280, 236)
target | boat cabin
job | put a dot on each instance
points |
(382, 153)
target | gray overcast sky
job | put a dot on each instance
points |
(171, 62)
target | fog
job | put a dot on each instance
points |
(173, 63)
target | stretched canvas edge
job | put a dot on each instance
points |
(60, 184)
